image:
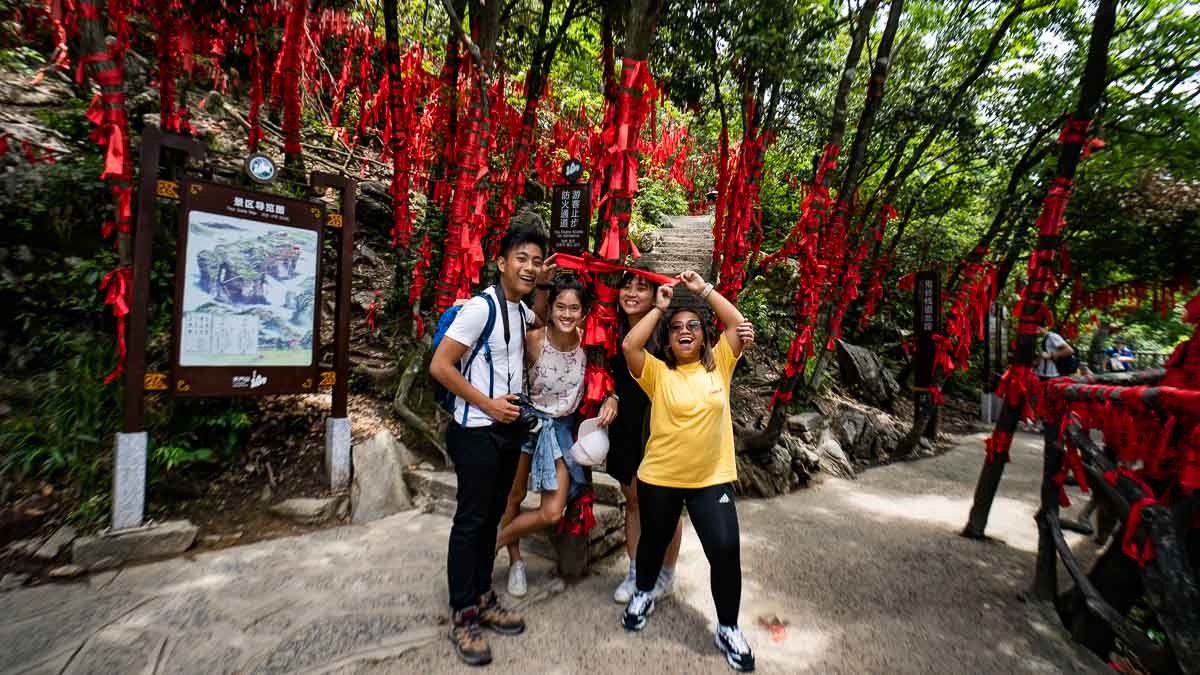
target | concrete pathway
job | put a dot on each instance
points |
(868, 575)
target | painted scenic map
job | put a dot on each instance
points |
(250, 293)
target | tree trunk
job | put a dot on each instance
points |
(808, 298)
(1049, 237)
(858, 153)
(293, 44)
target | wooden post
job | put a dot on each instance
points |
(337, 425)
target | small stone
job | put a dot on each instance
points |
(210, 539)
(266, 494)
(12, 581)
(556, 585)
(307, 511)
(379, 489)
(56, 543)
(66, 572)
(121, 546)
(425, 466)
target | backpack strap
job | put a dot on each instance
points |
(483, 343)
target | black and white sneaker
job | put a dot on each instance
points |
(730, 641)
(640, 606)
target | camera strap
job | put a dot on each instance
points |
(503, 302)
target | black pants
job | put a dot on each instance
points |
(485, 461)
(714, 515)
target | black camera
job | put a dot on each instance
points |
(528, 419)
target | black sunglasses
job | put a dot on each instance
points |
(692, 326)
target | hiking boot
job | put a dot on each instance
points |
(518, 584)
(731, 643)
(495, 617)
(627, 587)
(467, 638)
(640, 607)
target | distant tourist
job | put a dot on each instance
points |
(483, 439)
(1056, 357)
(1119, 357)
(555, 364)
(690, 454)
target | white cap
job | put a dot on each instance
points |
(592, 446)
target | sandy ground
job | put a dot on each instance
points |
(867, 576)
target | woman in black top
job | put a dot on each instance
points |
(627, 438)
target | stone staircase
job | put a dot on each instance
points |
(686, 244)
(437, 488)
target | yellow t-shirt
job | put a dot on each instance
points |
(691, 426)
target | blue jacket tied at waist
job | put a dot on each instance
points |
(554, 440)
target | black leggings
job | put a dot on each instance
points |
(714, 515)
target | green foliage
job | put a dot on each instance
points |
(68, 418)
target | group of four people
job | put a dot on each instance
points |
(670, 437)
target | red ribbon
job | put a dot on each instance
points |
(119, 285)
(585, 522)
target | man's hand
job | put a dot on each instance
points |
(608, 412)
(663, 299)
(694, 282)
(745, 331)
(501, 409)
(549, 269)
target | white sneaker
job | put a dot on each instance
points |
(518, 585)
(730, 641)
(664, 585)
(625, 590)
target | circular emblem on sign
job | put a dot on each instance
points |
(260, 168)
(572, 170)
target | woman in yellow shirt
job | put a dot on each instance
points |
(689, 456)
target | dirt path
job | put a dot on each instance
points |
(868, 575)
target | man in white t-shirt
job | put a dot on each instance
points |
(483, 440)
(1052, 346)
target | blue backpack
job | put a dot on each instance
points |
(444, 396)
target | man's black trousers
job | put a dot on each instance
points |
(485, 461)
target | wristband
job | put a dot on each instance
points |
(708, 288)
(545, 287)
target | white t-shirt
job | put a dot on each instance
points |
(1052, 342)
(504, 374)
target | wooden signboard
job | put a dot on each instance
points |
(927, 315)
(247, 293)
(569, 219)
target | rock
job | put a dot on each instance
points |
(66, 572)
(25, 548)
(833, 460)
(56, 543)
(210, 539)
(307, 511)
(111, 549)
(12, 581)
(766, 475)
(862, 368)
(266, 494)
(856, 431)
(379, 488)
(807, 425)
